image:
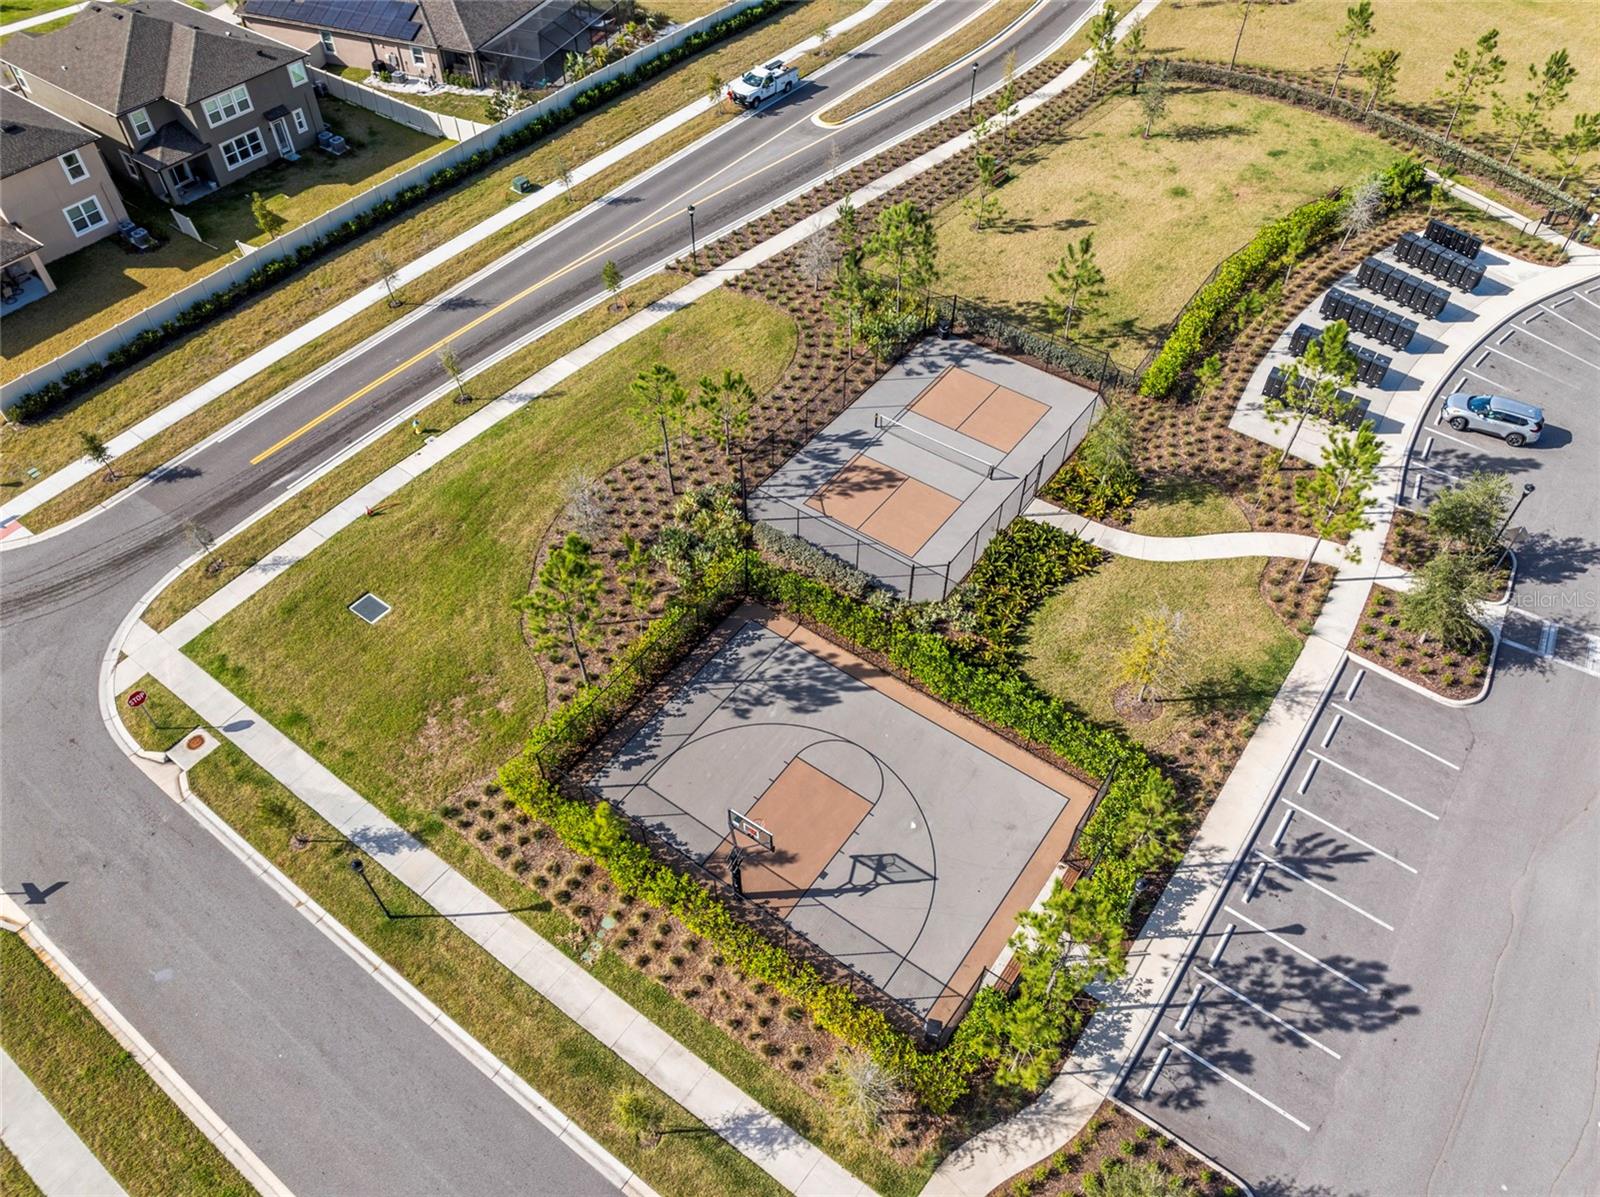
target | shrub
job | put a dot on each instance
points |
(1021, 567)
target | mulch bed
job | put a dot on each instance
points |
(1449, 673)
(1114, 1138)
(1296, 602)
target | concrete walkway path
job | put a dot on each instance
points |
(47, 1148)
(42, 18)
(1208, 547)
(63, 479)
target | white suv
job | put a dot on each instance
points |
(1514, 422)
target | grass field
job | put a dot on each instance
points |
(143, 1140)
(1185, 507)
(1237, 650)
(1300, 36)
(445, 688)
(1163, 211)
(957, 44)
(107, 282)
(19, 10)
(54, 442)
(14, 1179)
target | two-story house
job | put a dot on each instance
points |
(56, 196)
(183, 102)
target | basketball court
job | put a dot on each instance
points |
(914, 478)
(895, 834)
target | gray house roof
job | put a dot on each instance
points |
(15, 244)
(459, 25)
(30, 135)
(120, 57)
(172, 144)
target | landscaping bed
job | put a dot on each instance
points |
(1449, 673)
(145, 1141)
(1115, 1140)
(1411, 544)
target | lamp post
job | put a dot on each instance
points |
(972, 95)
(694, 248)
(1527, 489)
(1582, 219)
(360, 870)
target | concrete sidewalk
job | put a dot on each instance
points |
(157, 422)
(47, 1148)
(42, 18)
(1209, 547)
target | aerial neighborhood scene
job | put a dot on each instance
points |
(967, 598)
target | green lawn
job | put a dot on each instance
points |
(1237, 650)
(145, 1141)
(444, 689)
(107, 282)
(54, 441)
(18, 10)
(14, 1178)
(1163, 211)
(1299, 36)
(1185, 507)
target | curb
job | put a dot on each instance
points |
(153, 1062)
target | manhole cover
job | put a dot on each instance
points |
(194, 742)
(370, 607)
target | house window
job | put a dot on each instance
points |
(84, 216)
(327, 43)
(72, 163)
(139, 122)
(222, 108)
(297, 73)
(300, 125)
(129, 165)
(245, 148)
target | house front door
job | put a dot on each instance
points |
(280, 134)
(182, 175)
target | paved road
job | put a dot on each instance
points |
(335, 1086)
(1398, 993)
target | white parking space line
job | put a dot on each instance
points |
(1564, 320)
(1322, 889)
(1222, 945)
(1458, 440)
(1517, 361)
(1381, 789)
(1356, 840)
(1298, 951)
(1527, 332)
(1205, 1063)
(1394, 736)
(1260, 1009)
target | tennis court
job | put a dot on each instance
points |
(894, 833)
(914, 478)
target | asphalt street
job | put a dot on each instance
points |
(1397, 992)
(329, 1079)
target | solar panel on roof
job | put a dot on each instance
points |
(393, 19)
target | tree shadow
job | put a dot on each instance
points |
(1208, 131)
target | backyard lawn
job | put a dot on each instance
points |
(107, 282)
(1236, 650)
(144, 1141)
(1163, 211)
(444, 690)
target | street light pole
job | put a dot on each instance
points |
(1527, 489)
(972, 95)
(694, 248)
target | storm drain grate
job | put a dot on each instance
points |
(370, 607)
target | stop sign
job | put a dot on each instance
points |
(136, 699)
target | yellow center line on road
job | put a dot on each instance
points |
(631, 233)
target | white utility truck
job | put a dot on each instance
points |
(759, 84)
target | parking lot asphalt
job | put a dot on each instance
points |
(1398, 993)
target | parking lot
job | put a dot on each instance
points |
(1396, 992)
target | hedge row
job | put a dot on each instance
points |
(74, 382)
(1304, 230)
(997, 694)
(1507, 178)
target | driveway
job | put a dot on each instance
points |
(1398, 991)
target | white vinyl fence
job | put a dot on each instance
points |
(154, 316)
